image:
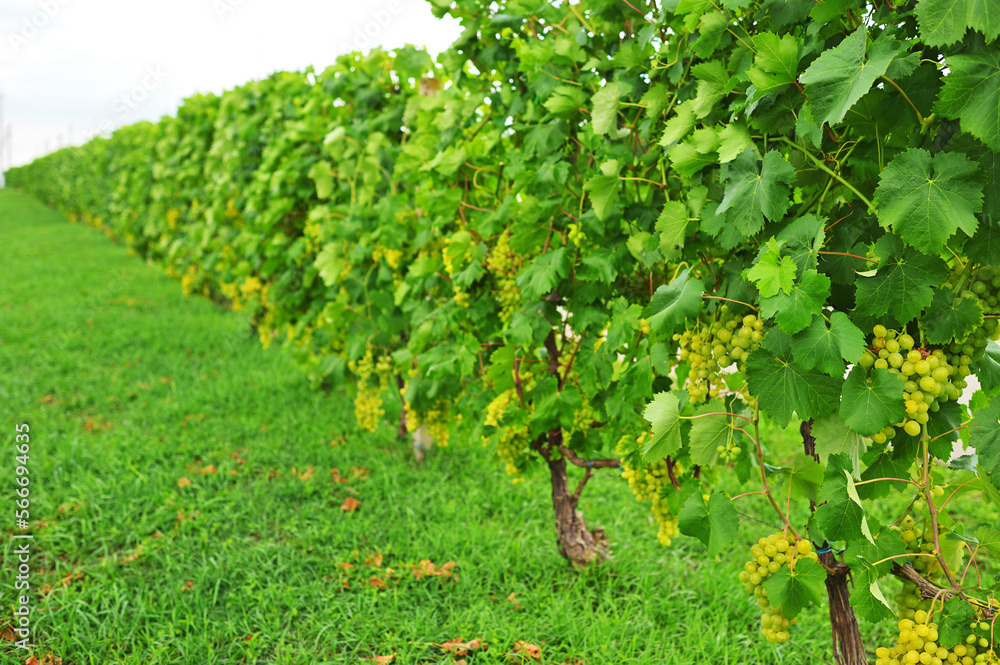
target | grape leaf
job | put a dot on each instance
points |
(953, 622)
(776, 61)
(714, 522)
(887, 543)
(753, 193)
(984, 436)
(988, 367)
(772, 273)
(971, 94)
(544, 273)
(566, 100)
(794, 312)
(802, 240)
(675, 302)
(833, 437)
(605, 114)
(710, 432)
(951, 318)
(871, 403)
(826, 349)
(925, 198)
(795, 590)
(984, 247)
(839, 515)
(903, 285)
(663, 413)
(840, 76)
(804, 477)
(989, 168)
(782, 387)
(322, 175)
(867, 598)
(678, 126)
(989, 538)
(944, 22)
(604, 188)
(735, 138)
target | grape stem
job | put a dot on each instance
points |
(853, 256)
(902, 556)
(718, 413)
(972, 560)
(763, 474)
(955, 491)
(928, 495)
(875, 480)
(740, 496)
(738, 302)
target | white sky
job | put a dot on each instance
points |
(69, 67)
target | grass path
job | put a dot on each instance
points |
(132, 389)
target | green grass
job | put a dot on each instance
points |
(129, 386)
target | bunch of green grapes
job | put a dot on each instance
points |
(930, 379)
(503, 264)
(648, 483)
(711, 347)
(512, 440)
(918, 643)
(368, 409)
(461, 296)
(766, 558)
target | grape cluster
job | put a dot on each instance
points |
(648, 483)
(918, 643)
(512, 440)
(983, 285)
(368, 409)
(502, 263)
(461, 296)
(930, 378)
(711, 347)
(766, 558)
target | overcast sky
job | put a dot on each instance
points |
(69, 68)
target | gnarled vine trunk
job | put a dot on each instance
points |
(577, 543)
(848, 648)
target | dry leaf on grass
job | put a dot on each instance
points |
(183, 482)
(522, 648)
(459, 648)
(350, 505)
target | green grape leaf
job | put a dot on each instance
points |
(776, 61)
(567, 100)
(826, 349)
(988, 367)
(794, 312)
(887, 544)
(322, 175)
(804, 477)
(794, 591)
(839, 515)
(984, 436)
(604, 188)
(802, 240)
(833, 437)
(605, 114)
(663, 413)
(971, 94)
(840, 76)
(672, 227)
(710, 432)
(984, 16)
(867, 598)
(925, 198)
(872, 402)
(772, 273)
(678, 126)
(953, 622)
(544, 274)
(944, 22)
(734, 139)
(989, 538)
(715, 522)
(949, 318)
(674, 303)
(330, 264)
(904, 283)
(984, 247)
(783, 388)
(753, 193)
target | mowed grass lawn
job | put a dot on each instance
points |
(185, 510)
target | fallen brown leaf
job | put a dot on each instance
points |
(522, 648)
(350, 505)
(183, 482)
